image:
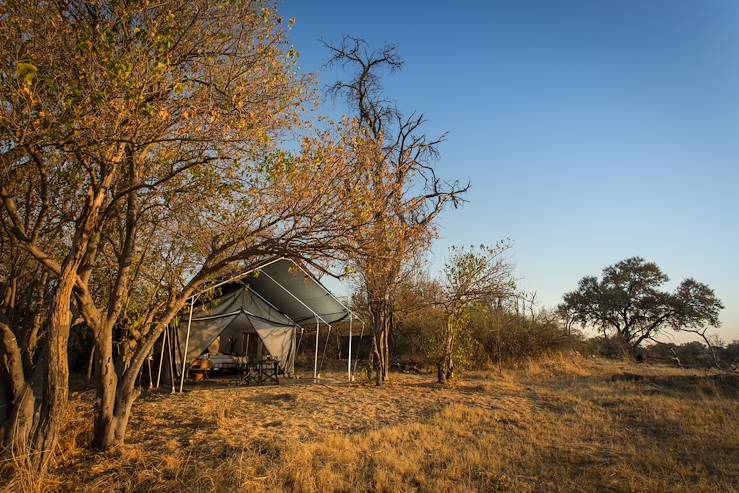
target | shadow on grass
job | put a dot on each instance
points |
(713, 385)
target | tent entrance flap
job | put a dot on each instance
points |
(240, 324)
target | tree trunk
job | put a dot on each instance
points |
(376, 363)
(110, 428)
(388, 324)
(380, 349)
(57, 373)
(118, 392)
(20, 423)
(677, 358)
(629, 348)
(445, 370)
(107, 386)
(90, 366)
(712, 350)
(16, 429)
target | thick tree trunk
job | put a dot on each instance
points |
(57, 374)
(629, 347)
(117, 393)
(20, 423)
(110, 430)
(107, 386)
(116, 396)
(17, 425)
(380, 356)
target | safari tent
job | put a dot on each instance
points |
(239, 323)
(258, 311)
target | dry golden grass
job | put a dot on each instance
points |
(561, 424)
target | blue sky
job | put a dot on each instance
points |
(590, 130)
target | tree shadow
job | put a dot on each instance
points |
(712, 385)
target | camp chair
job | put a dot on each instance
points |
(247, 371)
(267, 370)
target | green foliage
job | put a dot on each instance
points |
(485, 333)
(627, 302)
(473, 275)
(26, 72)
(490, 336)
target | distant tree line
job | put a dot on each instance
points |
(473, 316)
(693, 354)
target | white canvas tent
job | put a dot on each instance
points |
(270, 304)
(235, 319)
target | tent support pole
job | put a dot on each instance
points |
(171, 356)
(315, 358)
(187, 341)
(361, 334)
(349, 358)
(161, 356)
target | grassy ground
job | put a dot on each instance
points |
(563, 424)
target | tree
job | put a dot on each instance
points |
(24, 292)
(696, 311)
(398, 196)
(140, 162)
(627, 304)
(292, 210)
(470, 276)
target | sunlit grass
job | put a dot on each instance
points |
(564, 423)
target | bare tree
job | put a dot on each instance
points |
(399, 196)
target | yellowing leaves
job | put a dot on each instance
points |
(26, 72)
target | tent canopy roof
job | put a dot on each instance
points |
(292, 291)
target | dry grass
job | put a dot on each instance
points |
(562, 424)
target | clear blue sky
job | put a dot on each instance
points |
(591, 131)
